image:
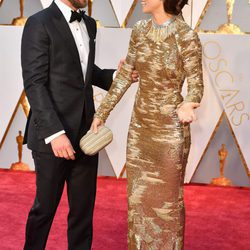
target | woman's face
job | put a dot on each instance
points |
(150, 6)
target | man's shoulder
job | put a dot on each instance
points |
(43, 15)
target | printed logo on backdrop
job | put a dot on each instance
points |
(231, 85)
(227, 97)
(228, 68)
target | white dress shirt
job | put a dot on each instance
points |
(80, 34)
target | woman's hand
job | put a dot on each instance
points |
(134, 74)
(95, 124)
(186, 112)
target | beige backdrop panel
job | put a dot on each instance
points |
(10, 74)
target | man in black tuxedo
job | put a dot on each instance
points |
(58, 52)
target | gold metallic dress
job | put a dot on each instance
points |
(158, 144)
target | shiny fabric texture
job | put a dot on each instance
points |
(158, 144)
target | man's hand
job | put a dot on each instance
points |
(186, 112)
(134, 75)
(62, 147)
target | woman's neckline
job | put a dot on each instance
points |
(163, 25)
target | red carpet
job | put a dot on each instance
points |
(217, 218)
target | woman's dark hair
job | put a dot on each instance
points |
(174, 7)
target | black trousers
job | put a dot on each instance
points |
(51, 175)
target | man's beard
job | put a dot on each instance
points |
(77, 4)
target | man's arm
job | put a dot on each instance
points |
(35, 65)
(102, 78)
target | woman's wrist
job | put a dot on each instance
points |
(98, 116)
(187, 104)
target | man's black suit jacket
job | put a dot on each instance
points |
(59, 97)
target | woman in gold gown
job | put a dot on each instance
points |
(165, 51)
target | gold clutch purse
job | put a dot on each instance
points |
(92, 143)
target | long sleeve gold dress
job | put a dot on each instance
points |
(158, 144)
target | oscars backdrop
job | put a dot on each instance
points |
(224, 116)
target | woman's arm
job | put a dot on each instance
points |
(191, 54)
(121, 83)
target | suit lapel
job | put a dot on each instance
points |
(63, 28)
(91, 57)
(89, 29)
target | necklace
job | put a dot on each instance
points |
(165, 24)
(159, 32)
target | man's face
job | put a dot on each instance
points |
(78, 4)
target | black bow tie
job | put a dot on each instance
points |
(77, 16)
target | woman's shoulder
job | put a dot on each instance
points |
(183, 29)
(141, 25)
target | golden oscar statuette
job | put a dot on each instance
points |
(222, 180)
(25, 104)
(90, 4)
(229, 27)
(19, 165)
(20, 21)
